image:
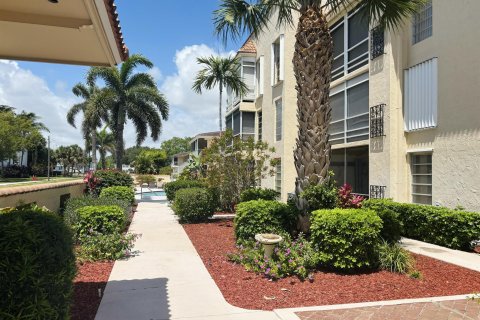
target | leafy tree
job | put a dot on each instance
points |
(234, 165)
(70, 157)
(312, 63)
(150, 161)
(8, 145)
(132, 153)
(222, 72)
(175, 145)
(94, 110)
(133, 96)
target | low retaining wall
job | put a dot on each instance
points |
(50, 195)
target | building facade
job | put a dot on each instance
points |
(405, 115)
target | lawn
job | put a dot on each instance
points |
(213, 241)
(15, 182)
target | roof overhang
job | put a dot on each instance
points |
(84, 32)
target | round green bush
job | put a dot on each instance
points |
(37, 266)
(99, 219)
(70, 215)
(346, 239)
(120, 193)
(193, 205)
(112, 178)
(258, 194)
(323, 196)
(262, 216)
(172, 187)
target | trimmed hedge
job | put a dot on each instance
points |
(346, 239)
(263, 216)
(37, 265)
(438, 225)
(112, 178)
(323, 196)
(193, 205)
(126, 194)
(172, 187)
(70, 215)
(258, 194)
(99, 219)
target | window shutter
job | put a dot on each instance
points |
(282, 56)
(421, 96)
(261, 72)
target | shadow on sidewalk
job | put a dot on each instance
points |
(135, 299)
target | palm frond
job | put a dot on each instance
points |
(390, 14)
(131, 63)
(79, 107)
(141, 79)
(110, 75)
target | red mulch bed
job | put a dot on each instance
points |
(248, 290)
(86, 300)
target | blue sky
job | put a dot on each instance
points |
(170, 33)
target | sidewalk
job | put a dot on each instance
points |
(167, 279)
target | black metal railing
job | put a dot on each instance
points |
(377, 192)
(377, 122)
(377, 42)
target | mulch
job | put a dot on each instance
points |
(251, 291)
(86, 299)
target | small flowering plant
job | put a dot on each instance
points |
(347, 199)
(290, 258)
(91, 180)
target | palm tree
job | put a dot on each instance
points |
(30, 132)
(221, 71)
(93, 113)
(312, 63)
(134, 96)
(105, 143)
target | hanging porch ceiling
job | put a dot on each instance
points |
(84, 32)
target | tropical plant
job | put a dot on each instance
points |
(312, 64)
(175, 145)
(70, 157)
(150, 161)
(222, 72)
(234, 165)
(94, 112)
(105, 143)
(133, 96)
(394, 258)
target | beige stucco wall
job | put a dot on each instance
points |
(47, 195)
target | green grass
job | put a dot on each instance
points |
(15, 182)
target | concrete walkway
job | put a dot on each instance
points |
(166, 279)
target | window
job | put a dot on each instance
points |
(248, 75)
(277, 63)
(248, 125)
(420, 97)
(350, 166)
(278, 120)
(236, 123)
(260, 126)
(421, 178)
(350, 113)
(422, 27)
(278, 177)
(350, 43)
(259, 75)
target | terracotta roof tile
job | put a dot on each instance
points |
(117, 30)
(248, 46)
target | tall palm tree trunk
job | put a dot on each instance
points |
(119, 146)
(102, 159)
(220, 107)
(94, 149)
(312, 62)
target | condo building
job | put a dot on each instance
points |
(405, 104)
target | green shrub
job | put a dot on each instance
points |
(165, 170)
(258, 194)
(73, 204)
(438, 225)
(323, 196)
(394, 258)
(289, 258)
(392, 229)
(193, 205)
(98, 247)
(37, 265)
(263, 216)
(98, 219)
(146, 178)
(112, 178)
(172, 187)
(346, 239)
(119, 193)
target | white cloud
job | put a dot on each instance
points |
(21, 89)
(190, 113)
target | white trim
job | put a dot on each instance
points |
(272, 65)
(262, 74)
(424, 150)
(281, 119)
(108, 32)
(282, 57)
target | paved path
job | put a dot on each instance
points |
(167, 279)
